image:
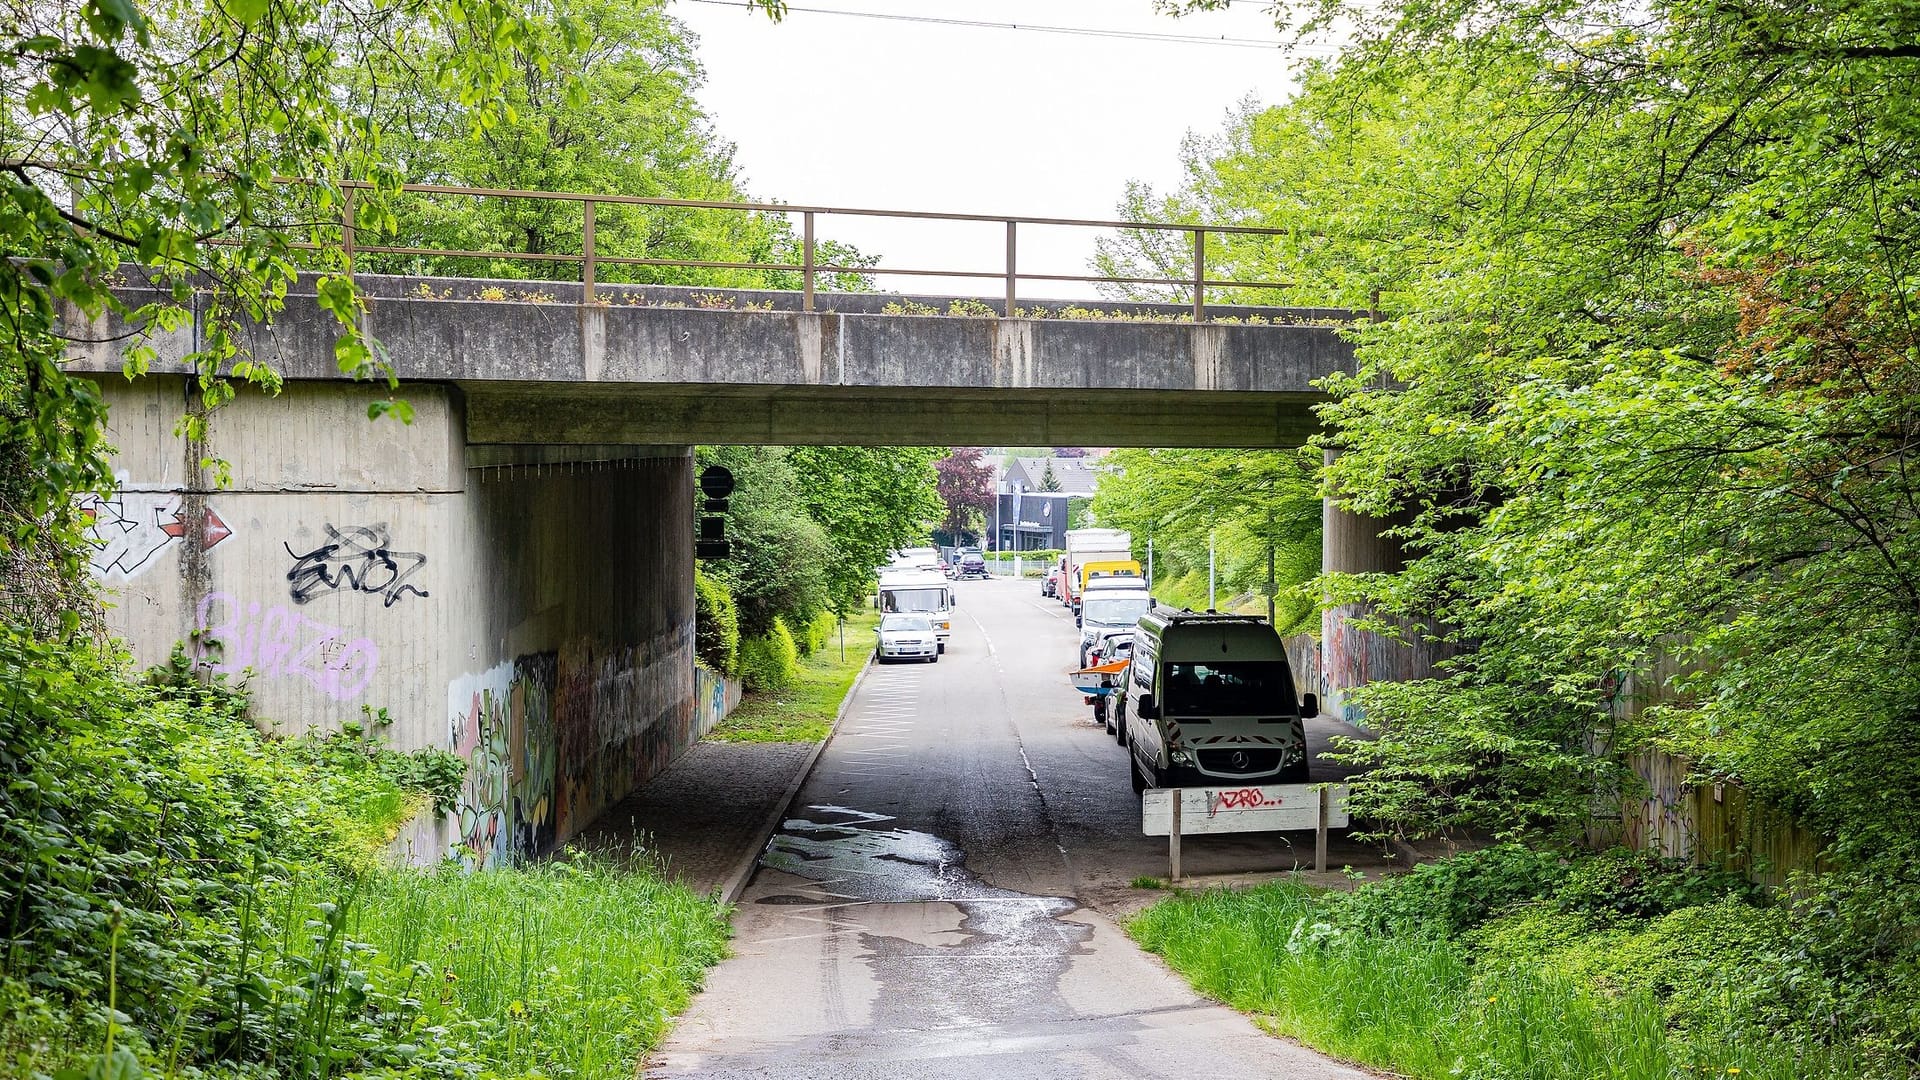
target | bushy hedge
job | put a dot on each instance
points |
(771, 660)
(816, 633)
(716, 624)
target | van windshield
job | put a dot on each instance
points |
(913, 600)
(1112, 610)
(1242, 688)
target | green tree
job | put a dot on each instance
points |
(778, 567)
(871, 500)
(1644, 390)
(1261, 507)
(599, 99)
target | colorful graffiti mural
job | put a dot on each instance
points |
(502, 724)
(552, 740)
(275, 641)
(1351, 657)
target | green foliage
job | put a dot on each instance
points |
(779, 563)
(816, 634)
(804, 710)
(870, 500)
(769, 661)
(1620, 885)
(1639, 392)
(1495, 969)
(1250, 503)
(1444, 898)
(184, 895)
(599, 97)
(716, 624)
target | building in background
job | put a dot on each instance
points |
(1036, 499)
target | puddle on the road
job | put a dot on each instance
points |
(1011, 948)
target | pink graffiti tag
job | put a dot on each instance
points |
(1239, 799)
(278, 642)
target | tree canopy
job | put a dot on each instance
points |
(1645, 383)
(1246, 503)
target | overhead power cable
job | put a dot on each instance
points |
(1072, 31)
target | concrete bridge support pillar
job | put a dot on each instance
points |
(529, 608)
(1350, 657)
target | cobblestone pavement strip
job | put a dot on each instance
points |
(700, 817)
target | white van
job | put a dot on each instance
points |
(1209, 700)
(926, 592)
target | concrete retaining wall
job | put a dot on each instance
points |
(535, 619)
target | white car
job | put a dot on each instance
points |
(906, 636)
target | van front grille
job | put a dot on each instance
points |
(1240, 761)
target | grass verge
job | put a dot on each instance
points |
(1419, 1007)
(562, 969)
(803, 711)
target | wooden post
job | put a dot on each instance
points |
(1320, 834)
(1173, 837)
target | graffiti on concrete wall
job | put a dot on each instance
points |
(358, 558)
(1351, 657)
(276, 641)
(131, 527)
(554, 739)
(501, 723)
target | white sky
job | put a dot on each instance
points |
(834, 110)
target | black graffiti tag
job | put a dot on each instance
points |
(356, 557)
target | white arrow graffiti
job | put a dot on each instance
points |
(131, 527)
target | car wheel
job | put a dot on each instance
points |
(1133, 774)
(1120, 724)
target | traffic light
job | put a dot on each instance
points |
(716, 484)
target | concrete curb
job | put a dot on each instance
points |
(736, 882)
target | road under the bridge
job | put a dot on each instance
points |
(933, 905)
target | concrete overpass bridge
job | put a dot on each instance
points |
(510, 576)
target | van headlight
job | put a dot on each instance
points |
(1180, 757)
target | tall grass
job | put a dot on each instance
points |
(1416, 1005)
(563, 969)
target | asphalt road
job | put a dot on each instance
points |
(934, 903)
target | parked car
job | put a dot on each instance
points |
(973, 565)
(1050, 583)
(906, 637)
(1111, 647)
(1111, 603)
(948, 569)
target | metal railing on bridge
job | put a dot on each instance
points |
(809, 267)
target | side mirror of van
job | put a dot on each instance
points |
(1309, 706)
(1148, 708)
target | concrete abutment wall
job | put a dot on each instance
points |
(529, 611)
